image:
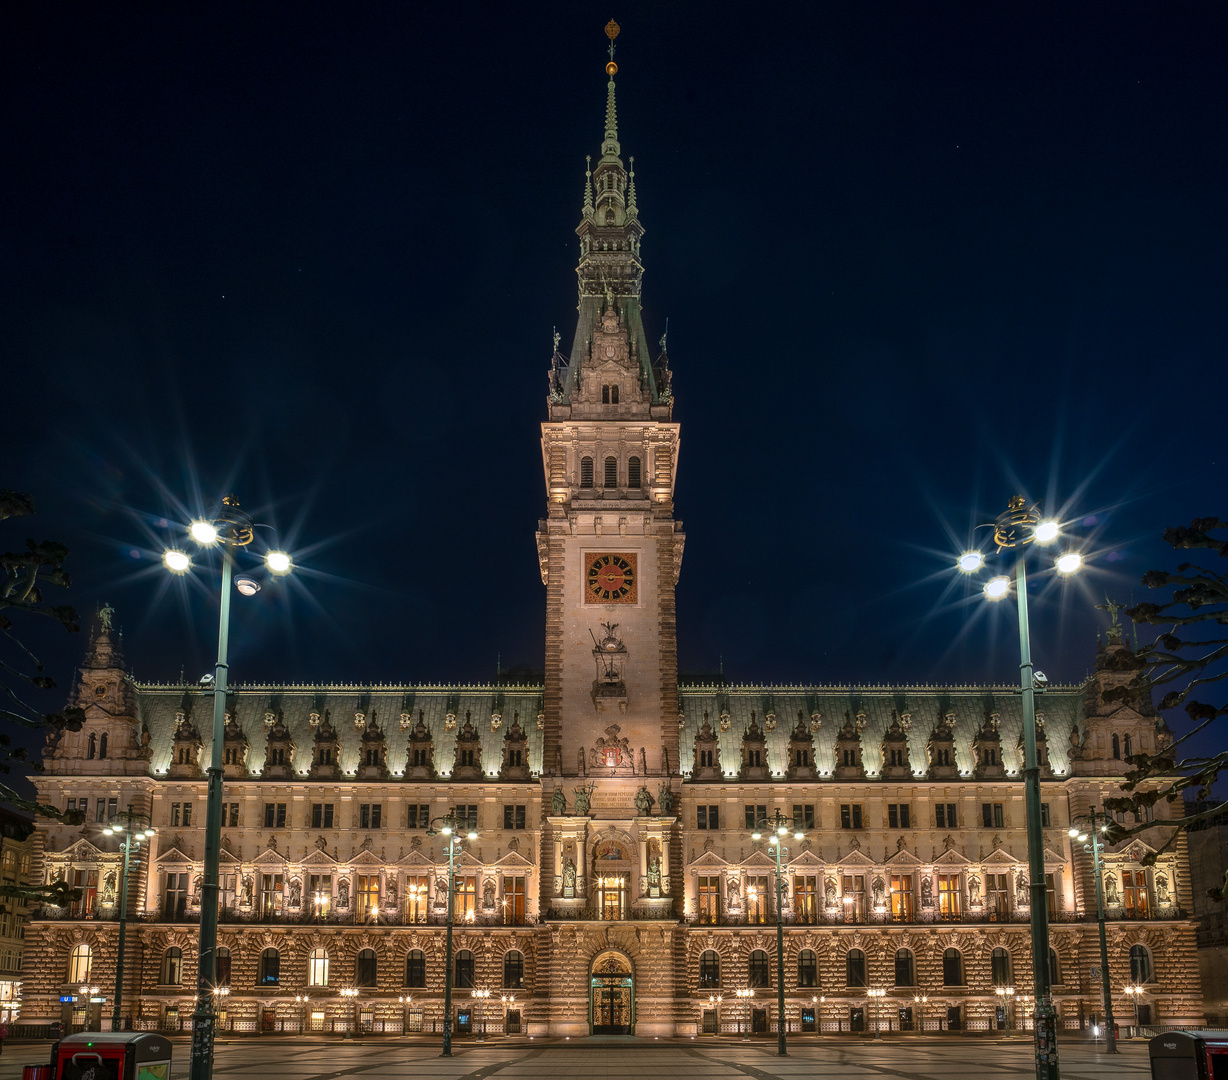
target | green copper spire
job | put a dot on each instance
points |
(588, 187)
(609, 146)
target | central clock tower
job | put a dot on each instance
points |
(609, 547)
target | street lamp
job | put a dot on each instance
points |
(449, 827)
(1017, 527)
(876, 994)
(231, 529)
(1135, 991)
(920, 1001)
(404, 999)
(746, 993)
(351, 993)
(715, 1001)
(1094, 834)
(479, 997)
(779, 827)
(130, 838)
(507, 999)
(1005, 993)
(302, 1000)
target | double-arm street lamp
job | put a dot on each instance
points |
(1094, 833)
(122, 824)
(780, 827)
(746, 993)
(876, 994)
(1017, 528)
(230, 530)
(450, 827)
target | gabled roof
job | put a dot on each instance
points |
(172, 855)
(709, 860)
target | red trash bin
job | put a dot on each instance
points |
(36, 1072)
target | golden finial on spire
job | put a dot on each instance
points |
(611, 31)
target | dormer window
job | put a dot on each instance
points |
(609, 394)
(633, 472)
(586, 472)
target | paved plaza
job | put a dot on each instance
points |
(633, 1059)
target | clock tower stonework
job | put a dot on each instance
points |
(609, 547)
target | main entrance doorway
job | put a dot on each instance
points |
(612, 1001)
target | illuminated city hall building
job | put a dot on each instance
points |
(614, 885)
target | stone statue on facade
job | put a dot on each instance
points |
(927, 892)
(296, 892)
(829, 889)
(974, 891)
(1162, 889)
(488, 894)
(1022, 895)
(569, 876)
(343, 894)
(558, 802)
(654, 872)
(643, 802)
(878, 888)
(105, 614)
(584, 796)
(665, 797)
(1111, 895)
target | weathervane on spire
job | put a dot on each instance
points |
(611, 31)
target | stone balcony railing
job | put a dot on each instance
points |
(916, 918)
(229, 916)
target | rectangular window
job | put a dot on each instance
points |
(992, 816)
(754, 814)
(112, 808)
(175, 895)
(187, 813)
(806, 899)
(226, 890)
(803, 816)
(612, 896)
(707, 817)
(464, 898)
(1044, 815)
(997, 896)
(419, 816)
(272, 894)
(514, 817)
(176, 813)
(270, 814)
(513, 901)
(368, 896)
(416, 889)
(1134, 893)
(100, 810)
(758, 901)
(466, 815)
(233, 816)
(72, 804)
(319, 896)
(87, 882)
(901, 897)
(710, 899)
(948, 896)
(853, 888)
(846, 816)
(370, 815)
(322, 815)
(897, 816)
(945, 816)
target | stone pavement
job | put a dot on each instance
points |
(633, 1059)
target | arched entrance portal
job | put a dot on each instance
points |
(612, 997)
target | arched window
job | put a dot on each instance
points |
(513, 970)
(1127, 746)
(1116, 746)
(586, 472)
(222, 975)
(759, 975)
(605, 395)
(464, 969)
(1140, 964)
(611, 472)
(415, 968)
(709, 969)
(317, 968)
(80, 960)
(1055, 969)
(633, 472)
(952, 968)
(364, 968)
(855, 968)
(807, 969)
(1000, 967)
(905, 968)
(172, 967)
(270, 968)
(91, 750)
(102, 745)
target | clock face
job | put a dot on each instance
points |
(609, 578)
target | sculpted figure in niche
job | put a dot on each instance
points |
(343, 893)
(247, 891)
(643, 802)
(733, 892)
(1022, 894)
(974, 891)
(654, 872)
(584, 797)
(829, 889)
(1162, 889)
(296, 893)
(665, 798)
(878, 887)
(441, 893)
(927, 892)
(558, 802)
(109, 883)
(569, 875)
(488, 893)
(1111, 895)
(390, 894)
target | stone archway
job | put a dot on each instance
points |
(611, 995)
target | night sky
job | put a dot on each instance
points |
(914, 257)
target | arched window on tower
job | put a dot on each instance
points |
(611, 472)
(1127, 746)
(102, 745)
(1116, 746)
(586, 472)
(633, 472)
(91, 749)
(614, 394)
(605, 395)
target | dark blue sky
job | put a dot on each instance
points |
(914, 257)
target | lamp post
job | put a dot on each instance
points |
(302, 1000)
(351, 993)
(449, 827)
(715, 1001)
(746, 993)
(780, 827)
(506, 999)
(1095, 847)
(920, 1001)
(1005, 994)
(1135, 992)
(231, 529)
(128, 817)
(876, 995)
(480, 995)
(405, 1000)
(1018, 526)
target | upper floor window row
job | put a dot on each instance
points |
(610, 472)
